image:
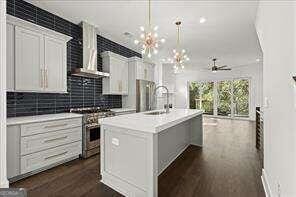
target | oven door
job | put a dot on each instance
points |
(92, 136)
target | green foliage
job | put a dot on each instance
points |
(202, 97)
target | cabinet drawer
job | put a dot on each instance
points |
(35, 143)
(43, 127)
(45, 158)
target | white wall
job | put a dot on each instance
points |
(253, 71)
(3, 179)
(275, 26)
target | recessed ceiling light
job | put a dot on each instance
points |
(202, 19)
(257, 60)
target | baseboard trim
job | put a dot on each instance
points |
(265, 184)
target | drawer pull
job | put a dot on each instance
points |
(55, 139)
(57, 155)
(58, 125)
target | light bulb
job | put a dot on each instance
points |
(136, 41)
(149, 55)
(155, 28)
(143, 51)
(174, 51)
(202, 19)
(142, 36)
(183, 51)
(182, 66)
(162, 40)
(155, 35)
(155, 51)
(142, 28)
(156, 45)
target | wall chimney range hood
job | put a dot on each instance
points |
(89, 68)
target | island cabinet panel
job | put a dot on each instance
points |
(133, 158)
(171, 143)
(133, 165)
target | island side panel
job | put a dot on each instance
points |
(128, 161)
(171, 143)
(196, 130)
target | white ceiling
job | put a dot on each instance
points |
(228, 33)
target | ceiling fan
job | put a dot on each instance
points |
(216, 68)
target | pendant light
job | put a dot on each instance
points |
(180, 56)
(149, 38)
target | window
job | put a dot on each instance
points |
(223, 98)
(241, 97)
(202, 96)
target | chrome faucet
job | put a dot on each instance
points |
(167, 109)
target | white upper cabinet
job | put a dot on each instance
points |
(144, 70)
(117, 66)
(36, 58)
(29, 58)
(55, 68)
(10, 57)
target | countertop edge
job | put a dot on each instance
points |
(40, 118)
(173, 123)
(158, 129)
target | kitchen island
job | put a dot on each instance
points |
(136, 148)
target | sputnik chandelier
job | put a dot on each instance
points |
(180, 56)
(149, 38)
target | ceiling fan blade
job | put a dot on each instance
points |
(222, 66)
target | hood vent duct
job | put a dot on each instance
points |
(90, 54)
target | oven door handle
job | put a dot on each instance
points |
(92, 126)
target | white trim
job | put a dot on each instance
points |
(266, 186)
(3, 172)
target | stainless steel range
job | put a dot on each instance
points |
(91, 128)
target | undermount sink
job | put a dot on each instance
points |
(155, 113)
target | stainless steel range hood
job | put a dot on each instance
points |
(89, 68)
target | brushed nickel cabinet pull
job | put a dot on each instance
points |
(58, 125)
(57, 155)
(55, 139)
(145, 73)
(46, 78)
(42, 78)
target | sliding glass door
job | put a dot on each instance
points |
(228, 98)
(202, 96)
(241, 98)
(224, 98)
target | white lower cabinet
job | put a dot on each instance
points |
(45, 141)
(42, 159)
(33, 147)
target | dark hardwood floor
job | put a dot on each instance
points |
(227, 166)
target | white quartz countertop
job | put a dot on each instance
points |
(120, 110)
(40, 118)
(151, 123)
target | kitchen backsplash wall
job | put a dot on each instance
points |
(82, 92)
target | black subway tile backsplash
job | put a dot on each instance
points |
(82, 92)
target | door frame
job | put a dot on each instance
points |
(3, 168)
